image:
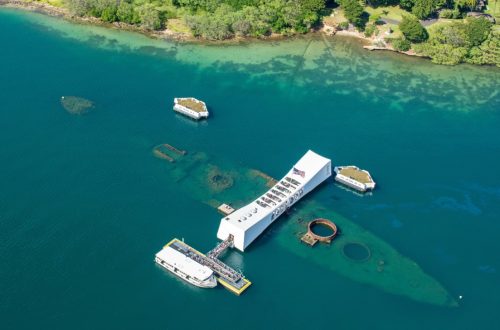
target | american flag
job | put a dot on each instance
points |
(299, 172)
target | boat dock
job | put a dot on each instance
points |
(225, 209)
(191, 107)
(228, 277)
(355, 178)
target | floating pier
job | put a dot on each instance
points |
(354, 177)
(191, 107)
(225, 209)
(228, 277)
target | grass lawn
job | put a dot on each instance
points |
(336, 17)
(396, 33)
(494, 9)
(393, 12)
(55, 3)
(441, 22)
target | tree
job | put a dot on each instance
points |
(353, 11)
(423, 8)
(216, 29)
(472, 41)
(216, 26)
(258, 26)
(442, 53)
(370, 30)
(125, 12)
(79, 7)
(477, 30)
(108, 14)
(454, 34)
(241, 27)
(150, 16)
(488, 52)
(407, 4)
(459, 34)
(471, 4)
(412, 29)
(401, 45)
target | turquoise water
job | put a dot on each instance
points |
(84, 205)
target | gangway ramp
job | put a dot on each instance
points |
(228, 277)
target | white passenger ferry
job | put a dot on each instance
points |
(191, 107)
(174, 258)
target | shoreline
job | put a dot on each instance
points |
(164, 34)
(169, 35)
(47, 9)
(375, 43)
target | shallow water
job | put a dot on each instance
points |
(84, 205)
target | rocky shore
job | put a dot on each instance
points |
(372, 43)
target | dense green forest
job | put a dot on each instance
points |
(211, 19)
(458, 39)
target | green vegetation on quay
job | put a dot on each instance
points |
(447, 31)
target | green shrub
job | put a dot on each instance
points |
(477, 30)
(149, 16)
(425, 8)
(450, 13)
(375, 18)
(401, 45)
(354, 12)
(343, 25)
(488, 52)
(442, 53)
(412, 29)
(369, 30)
(241, 27)
(446, 13)
(406, 4)
(125, 12)
(109, 14)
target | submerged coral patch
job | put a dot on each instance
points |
(76, 105)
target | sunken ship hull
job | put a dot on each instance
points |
(215, 181)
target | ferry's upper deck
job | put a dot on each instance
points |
(185, 264)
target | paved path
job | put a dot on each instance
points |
(428, 22)
(390, 21)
